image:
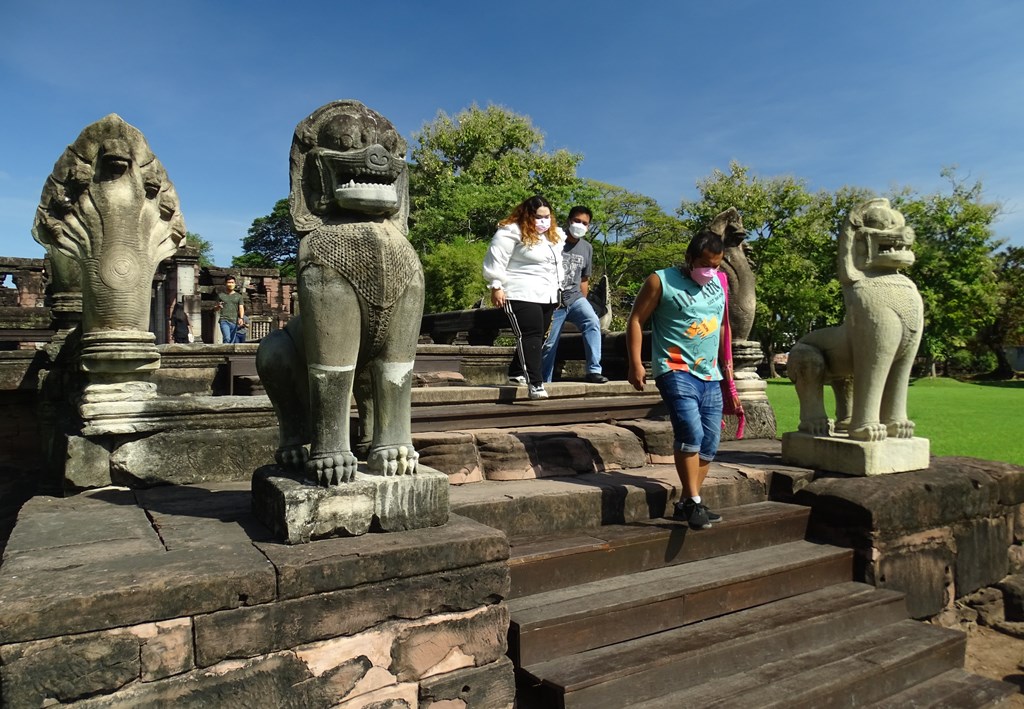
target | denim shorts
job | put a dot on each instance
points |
(695, 407)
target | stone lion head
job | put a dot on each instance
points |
(874, 240)
(347, 160)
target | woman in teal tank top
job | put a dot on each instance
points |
(691, 362)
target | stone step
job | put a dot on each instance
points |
(588, 500)
(546, 563)
(955, 689)
(853, 671)
(645, 668)
(565, 621)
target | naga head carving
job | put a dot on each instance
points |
(109, 205)
(874, 240)
(347, 161)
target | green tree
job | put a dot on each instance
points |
(633, 236)
(204, 247)
(1007, 327)
(469, 170)
(791, 246)
(452, 275)
(954, 268)
(271, 242)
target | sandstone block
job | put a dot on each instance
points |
(451, 641)
(1013, 597)
(334, 564)
(298, 510)
(451, 452)
(840, 454)
(273, 681)
(189, 457)
(924, 574)
(67, 669)
(165, 648)
(489, 687)
(246, 632)
(981, 559)
(656, 437)
(88, 463)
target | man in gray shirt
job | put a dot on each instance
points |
(577, 261)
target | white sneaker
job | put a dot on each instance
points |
(538, 392)
(517, 381)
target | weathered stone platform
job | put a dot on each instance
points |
(179, 594)
(298, 510)
(839, 453)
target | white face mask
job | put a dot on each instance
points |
(577, 229)
(543, 224)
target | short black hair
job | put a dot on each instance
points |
(580, 209)
(705, 240)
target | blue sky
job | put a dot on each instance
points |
(654, 94)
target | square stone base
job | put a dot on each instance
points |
(839, 454)
(298, 510)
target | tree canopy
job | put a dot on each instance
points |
(271, 242)
(470, 170)
(204, 247)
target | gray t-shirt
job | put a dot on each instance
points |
(577, 260)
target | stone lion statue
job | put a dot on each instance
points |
(109, 207)
(360, 297)
(868, 358)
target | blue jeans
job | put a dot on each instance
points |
(228, 332)
(581, 314)
(695, 407)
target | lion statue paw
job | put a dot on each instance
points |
(332, 468)
(393, 460)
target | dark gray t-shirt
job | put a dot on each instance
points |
(577, 260)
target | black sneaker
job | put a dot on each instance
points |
(692, 513)
(713, 517)
(596, 378)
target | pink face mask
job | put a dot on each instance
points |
(543, 224)
(703, 275)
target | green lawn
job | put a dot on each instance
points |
(980, 419)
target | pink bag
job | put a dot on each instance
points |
(729, 386)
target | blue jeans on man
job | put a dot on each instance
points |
(228, 332)
(581, 314)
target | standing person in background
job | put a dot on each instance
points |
(577, 263)
(232, 310)
(689, 362)
(524, 268)
(181, 326)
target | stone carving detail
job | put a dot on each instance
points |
(360, 295)
(110, 207)
(742, 299)
(868, 358)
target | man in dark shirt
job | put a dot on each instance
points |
(232, 310)
(577, 262)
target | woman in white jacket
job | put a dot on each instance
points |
(523, 267)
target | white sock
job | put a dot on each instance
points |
(696, 499)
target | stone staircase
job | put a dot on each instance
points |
(749, 613)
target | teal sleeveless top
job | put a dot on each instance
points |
(686, 326)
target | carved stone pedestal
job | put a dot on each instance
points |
(840, 454)
(298, 511)
(118, 365)
(760, 417)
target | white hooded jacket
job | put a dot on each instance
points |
(527, 273)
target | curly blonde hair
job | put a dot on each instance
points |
(524, 217)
